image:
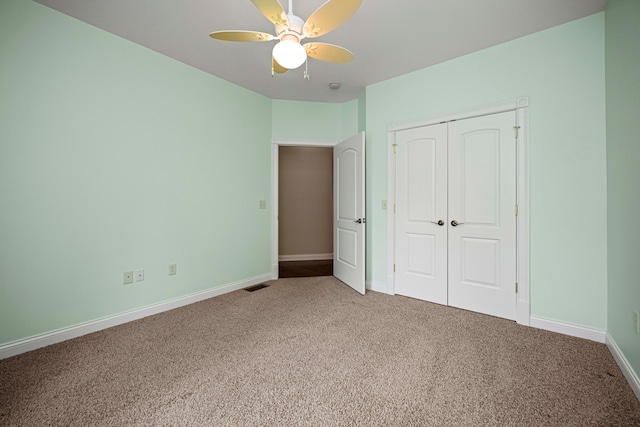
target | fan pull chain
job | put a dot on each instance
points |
(306, 69)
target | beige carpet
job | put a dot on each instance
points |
(313, 352)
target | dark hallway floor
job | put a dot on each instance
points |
(306, 268)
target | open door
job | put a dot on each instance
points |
(348, 212)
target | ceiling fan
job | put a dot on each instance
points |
(290, 30)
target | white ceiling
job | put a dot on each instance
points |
(388, 38)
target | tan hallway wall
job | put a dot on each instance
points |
(305, 203)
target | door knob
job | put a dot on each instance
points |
(440, 222)
(456, 223)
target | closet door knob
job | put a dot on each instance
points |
(440, 222)
(456, 223)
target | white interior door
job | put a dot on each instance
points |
(421, 213)
(463, 173)
(349, 205)
(482, 202)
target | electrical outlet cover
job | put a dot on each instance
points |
(139, 275)
(127, 277)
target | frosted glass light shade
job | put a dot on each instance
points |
(290, 54)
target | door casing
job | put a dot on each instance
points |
(521, 107)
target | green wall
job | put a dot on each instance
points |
(561, 70)
(623, 173)
(306, 120)
(322, 121)
(350, 119)
(113, 158)
(362, 111)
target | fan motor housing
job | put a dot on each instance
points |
(296, 25)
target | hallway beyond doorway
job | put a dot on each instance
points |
(306, 268)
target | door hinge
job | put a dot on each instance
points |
(394, 208)
(394, 268)
(515, 131)
(516, 210)
(395, 146)
(516, 287)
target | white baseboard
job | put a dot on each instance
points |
(625, 366)
(305, 257)
(377, 287)
(22, 346)
(568, 329)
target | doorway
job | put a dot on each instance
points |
(305, 211)
(349, 234)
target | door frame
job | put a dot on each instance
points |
(276, 143)
(521, 107)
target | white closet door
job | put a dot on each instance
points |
(421, 202)
(482, 200)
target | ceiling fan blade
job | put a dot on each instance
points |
(328, 52)
(242, 36)
(277, 67)
(272, 10)
(329, 16)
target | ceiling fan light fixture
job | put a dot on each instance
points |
(289, 53)
(290, 29)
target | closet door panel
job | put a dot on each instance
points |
(482, 217)
(421, 201)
